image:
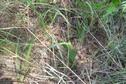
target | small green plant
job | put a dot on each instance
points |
(71, 53)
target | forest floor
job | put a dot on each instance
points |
(62, 42)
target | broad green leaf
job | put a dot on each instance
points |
(97, 6)
(116, 2)
(72, 54)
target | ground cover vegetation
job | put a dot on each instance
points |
(62, 42)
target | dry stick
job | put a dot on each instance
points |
(60, 80)
(7, 28)
(56, 56)
(88, 76)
